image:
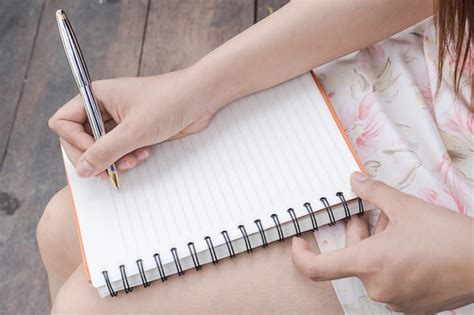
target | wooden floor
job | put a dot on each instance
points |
(124, 38)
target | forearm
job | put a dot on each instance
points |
(300, 36)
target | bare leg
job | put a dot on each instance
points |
(57, 240)
(264, 282)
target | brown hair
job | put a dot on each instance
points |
(455, 28)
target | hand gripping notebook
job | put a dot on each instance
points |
(270, 165)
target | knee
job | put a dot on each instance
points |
(51, 222)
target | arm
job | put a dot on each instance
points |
(299, 37)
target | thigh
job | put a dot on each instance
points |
(57, 239)
(265, 281)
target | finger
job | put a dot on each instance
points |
(382, 223)
(126, 162)
(192, 128)
(142, 154)
(377, 193)
(357, 229)
(109, 125)
(108, 149)
(327, 266)
(132, 159)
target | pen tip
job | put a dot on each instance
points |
(115, 180)
(60, 14)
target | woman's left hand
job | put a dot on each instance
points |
(420, 259)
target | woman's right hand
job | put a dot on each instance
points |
(138, 112)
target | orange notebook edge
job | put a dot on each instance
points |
(338, 122)
(76, 222)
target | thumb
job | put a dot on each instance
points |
(328, 266)
(376, 193)
(107, 150)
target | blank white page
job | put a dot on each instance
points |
(263, 154)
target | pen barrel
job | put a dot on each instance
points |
(94, 116)
(93, 112)
(73, 50)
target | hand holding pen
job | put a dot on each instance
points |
(137, 112)
(83, 81)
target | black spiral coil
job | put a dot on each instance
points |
(332, 220)
(228, 242)
(126, 285)
(248, 245)
(159, 265)
(258, 223)
(177, 262)
(194, 256)
(281, 236)
(212, 251)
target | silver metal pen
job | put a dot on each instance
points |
(83, 81)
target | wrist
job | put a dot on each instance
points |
(212, 85)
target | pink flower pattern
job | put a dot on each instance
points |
(405, 134)
(367, 123)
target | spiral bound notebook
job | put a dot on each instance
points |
(271, 165)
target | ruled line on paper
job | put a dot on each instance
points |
(260, 155)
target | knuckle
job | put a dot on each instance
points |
(313, 273)
(368, 266)
(379, 294)
(53, 123)
(99, 154)
(375, 187)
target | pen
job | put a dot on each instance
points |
(83, 81)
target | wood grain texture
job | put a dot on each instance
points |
(111, 34)
(266, 7)
(18, 26)
(180, 32)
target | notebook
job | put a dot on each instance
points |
(270, 165)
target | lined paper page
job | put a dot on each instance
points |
(260, 155)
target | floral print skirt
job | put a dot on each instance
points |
(407, 133)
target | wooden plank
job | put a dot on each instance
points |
(267, 7)
(111, 34)
(18, 25)
(180, 32)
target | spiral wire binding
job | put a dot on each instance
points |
(145, 282)
(281, 236)
(228, 243)
(211, 250)
(296, 224)
(314, 223)
(194, 256)
(230, 248)
(332, 220)
(177, 263)
(246, 238)
(258, 223)
(109, 285)
(345, 205)
(361, 206)
(126, 285)
(159, 265)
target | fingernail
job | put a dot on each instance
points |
(142, 154)
(359, 177)
(125, 164)
(84, 169)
